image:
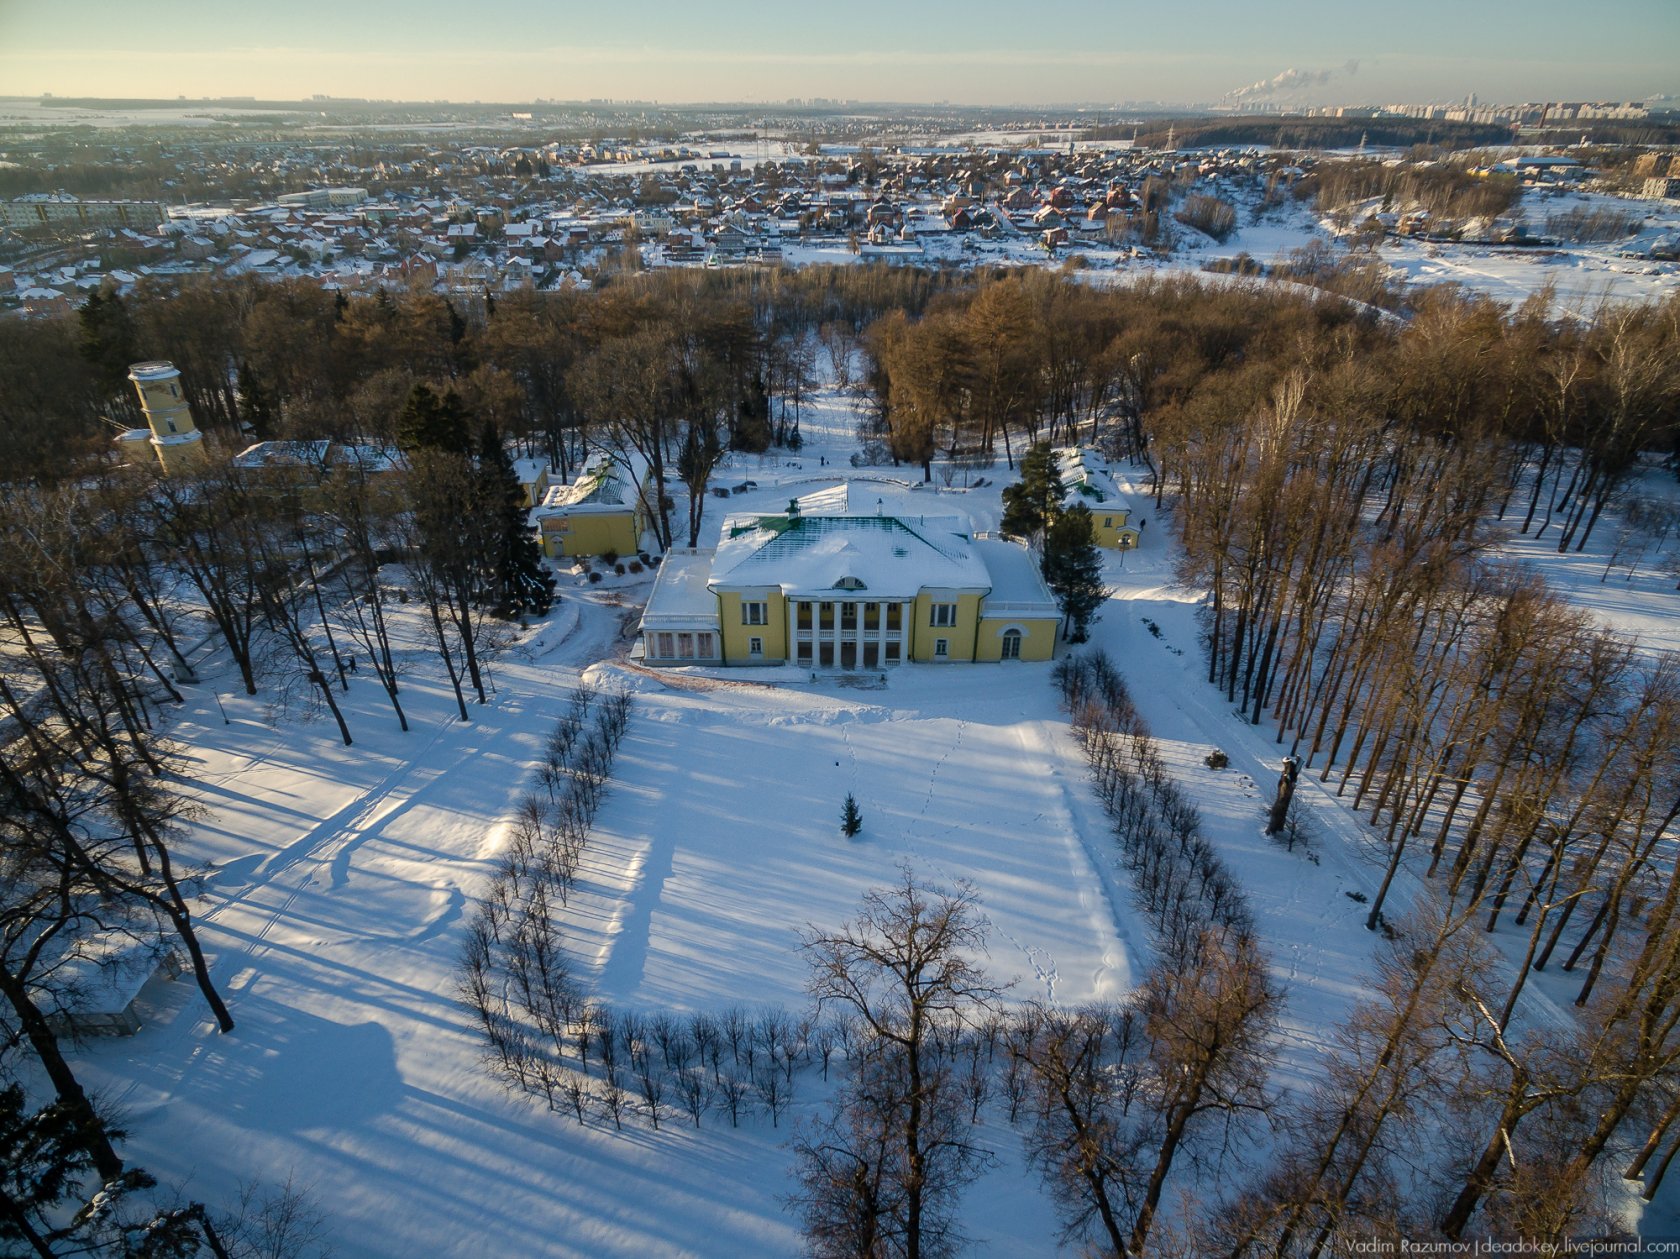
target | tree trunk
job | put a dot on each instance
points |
(41, 1039)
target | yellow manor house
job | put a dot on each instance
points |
(823, 587)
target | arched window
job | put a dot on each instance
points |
(1011, 644)
(849, 583)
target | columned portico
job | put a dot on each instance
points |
(848, 633)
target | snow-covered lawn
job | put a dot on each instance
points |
(342, 878)
(721, 839)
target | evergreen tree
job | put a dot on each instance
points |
(107, 342)
(517, 578)
(1072, 567)
(851, 820)
(52, 1202)
(1031, 504)
(430, 422)
(256, 403)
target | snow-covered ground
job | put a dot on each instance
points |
(342, 877)
(1628, 574)
(342, 880)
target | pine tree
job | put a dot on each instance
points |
(1032, 503)
(518, 578)
(1072, 567)
(54, 1202)
(851, 820)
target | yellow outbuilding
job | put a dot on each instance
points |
(605, 509)
(1084, 480)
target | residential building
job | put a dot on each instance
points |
(71, 213)
(535, 476)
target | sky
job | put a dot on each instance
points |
(981, 52)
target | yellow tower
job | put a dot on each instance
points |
(175, 438)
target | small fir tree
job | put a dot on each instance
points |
(1072, 567)
(851, 820)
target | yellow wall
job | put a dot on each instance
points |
(593, 533)
(1110, 534)
(735, 635)
(961, 635)
(1038, 637)
(534, 490)
(180, 457)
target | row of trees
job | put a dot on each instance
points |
(1337, 506)
(1108, 1099)
(1437, 1106)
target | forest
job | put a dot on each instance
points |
(1338, 475)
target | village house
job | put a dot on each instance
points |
(830, 583)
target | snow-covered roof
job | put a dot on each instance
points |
(283, 455)
(1086, 481)
(529, 471)
(890, 556)
(1017, 588)
(863, 498)
(680, 598)
(367, 458)
(604, 484)
(102, 973)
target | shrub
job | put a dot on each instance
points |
(1216, 759)
(1209, 214)
(635, 566)
(618, 569)
(594, 577)
(609, 557)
